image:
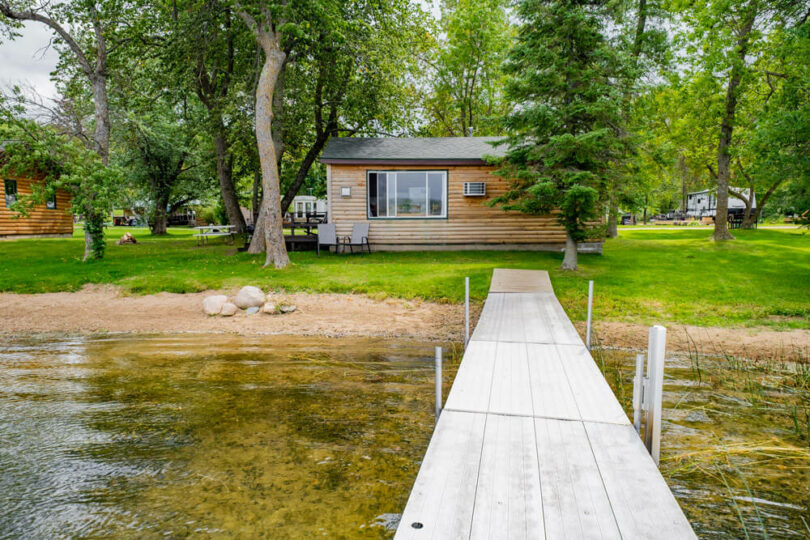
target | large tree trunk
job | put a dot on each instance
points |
(726, 134)
(270, 214)
(225, 175)
(257, 245)
(613, 219)
(570, 258)
(160, 215)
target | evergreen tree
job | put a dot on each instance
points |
(566, 133)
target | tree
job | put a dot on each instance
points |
(724, 40)
(268, 24)
(566, 133)
(466, 88)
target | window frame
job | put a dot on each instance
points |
(6, 183)
(50, 202)
(445, 192)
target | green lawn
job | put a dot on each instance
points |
(667, 276)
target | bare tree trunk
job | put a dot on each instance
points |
(257, 244)
(726, 132)
(613, 218)
(225, 175)
(270, 217)
(570, 259)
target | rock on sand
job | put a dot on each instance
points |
(212, 305)
(249, 297)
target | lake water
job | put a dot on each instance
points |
(278, 437)
(211, 435)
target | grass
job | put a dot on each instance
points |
(663, 276)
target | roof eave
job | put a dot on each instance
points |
(403, 162)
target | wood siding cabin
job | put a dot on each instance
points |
(429, 194)
(53, 218)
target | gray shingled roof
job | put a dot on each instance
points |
(406, 149)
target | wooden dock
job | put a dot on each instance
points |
(532, 443)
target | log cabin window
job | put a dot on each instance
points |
(407, 194)
(10, 187)
(50, 202)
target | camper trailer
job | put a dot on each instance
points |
(704, 203)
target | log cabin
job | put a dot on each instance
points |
(51, 219)
(430, 194)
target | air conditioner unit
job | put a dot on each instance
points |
(475, 189)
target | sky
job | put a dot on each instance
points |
(26, 60)
(23, 61)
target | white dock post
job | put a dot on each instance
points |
(655, 373)
(638, 392)
(466, 311)
(590, 311)
(438, 383)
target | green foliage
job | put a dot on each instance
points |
(565, 135)
(466, 81)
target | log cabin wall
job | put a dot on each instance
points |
(41, 221)
(470, 224)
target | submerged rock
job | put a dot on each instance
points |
(229, 309)
(212, 305)
(698, 416)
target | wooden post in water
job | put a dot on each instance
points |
(590, 311)
(438, 383)
(655, 373)
(466, 311)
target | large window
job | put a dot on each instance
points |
(50, 202)
(407, 194)
(10, 191)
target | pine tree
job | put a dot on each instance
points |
(565, 132)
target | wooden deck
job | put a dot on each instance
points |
(532, 442)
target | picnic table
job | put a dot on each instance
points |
(209, 231)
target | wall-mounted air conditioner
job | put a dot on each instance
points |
(475, 189)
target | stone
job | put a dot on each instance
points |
(249, 297)
(269, 308)
(127, 239)
(252, 310)
(229, 309)
(287, 309)
(212, 305)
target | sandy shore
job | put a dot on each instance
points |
(103, 309)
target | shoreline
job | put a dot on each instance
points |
(104, 310)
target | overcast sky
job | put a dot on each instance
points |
(24, 60)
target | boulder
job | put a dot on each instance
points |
(270, 308)
(212, 305)
(249, 297)
(287, 309)
(229, 310)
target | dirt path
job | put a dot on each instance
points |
(102, 309)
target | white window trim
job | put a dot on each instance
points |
(445, 197)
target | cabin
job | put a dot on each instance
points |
(430, 194)
(51, 219)
(700, 204)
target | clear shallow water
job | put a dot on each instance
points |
(735, 442)
(211, 435)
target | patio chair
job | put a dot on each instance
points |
(358, 238)
(327, 236)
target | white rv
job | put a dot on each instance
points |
(704, 203)
(303, 205)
